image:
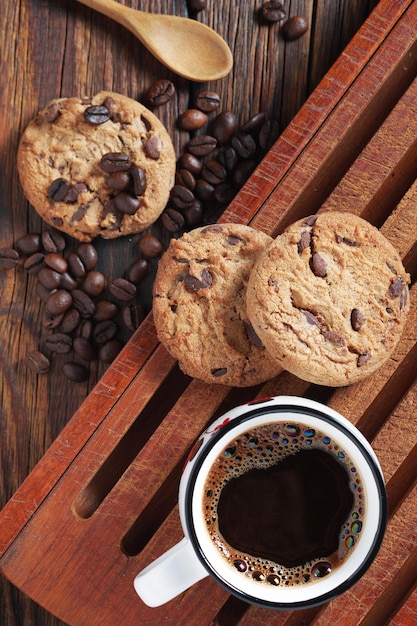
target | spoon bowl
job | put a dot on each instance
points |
(187, 47)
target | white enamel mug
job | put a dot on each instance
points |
(196, 555)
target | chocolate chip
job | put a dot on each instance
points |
(396, 287)
(53, 112)
(311, 318)
(219, 371)
(363, 359)
(192, 283)
(252, 335)
(305, 239)
(318, 265)
(234, 240)
(72, 195)
(139, 180)
(334, 338)
(347, 241)
(152, 148)
(357, 319)
(404, 297)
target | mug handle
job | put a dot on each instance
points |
(169, 575)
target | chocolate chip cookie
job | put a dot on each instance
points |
(329, 298)
(199, 305)
(98, 166)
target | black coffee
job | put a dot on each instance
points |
(284, 504)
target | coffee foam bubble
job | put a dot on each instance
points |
(264, 447)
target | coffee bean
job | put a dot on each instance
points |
(29, 244)
(58, 342)
(160, 92)
(50, 321)
(126, 203)
(150, 246)
(194, 214)
(224, 193)
(115, 162)
(68, 282)
(96, 114)
(133, 315)
(295, 27)
(224, 126)
(88, 255)
(76, 266)
(108, 351)
(118, 181)
(37, 362)
(105, 310)
(185, 178)
(94, 283)
(172, 220)
(104, 331)
(192, 119)
(56, 262)
(228, 158)
(9, 258)
(268, 134)
(53, 241)
(273, 11)
(181, 196)
(139, 180)
(70, 321)
(195, 6)
(43, 293)
(85, 329)
(59, 302)
(242, 171)
(75, 372)
(244, 144)
(83, 303)
(190, 162)
(34, 263)
(152, 147)
(137, 271)
(204, 190)
(122, 289)
(207, 101)
(58, 189)
(49, 278)
(202, 145)
(253, 125)
(213, 172)
(84, 349)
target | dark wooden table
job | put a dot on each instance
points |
(52, 48)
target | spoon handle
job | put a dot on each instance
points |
(114, 10)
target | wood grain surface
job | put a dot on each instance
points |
(52, 48)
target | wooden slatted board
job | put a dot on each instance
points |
(101, 504)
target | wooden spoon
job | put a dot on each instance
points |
(187, 47)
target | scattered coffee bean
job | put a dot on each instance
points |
(202, 145)
(70, 321)
(295, 27)
(192, 119)
(273, 11)
(214, 172)
(59, 301)
(150, 246)
(68, 282)
(84, 349)
(76, 266)
(105, 310)
(9, 258)
(122, 289)
(29, 244)
(104, 331)
(195, 6)
(253, 125)
(190, 162)
(224, 126)
(115, 162)
(75, 372)
(96, 114)
(37, 362)
(58, 342)
(133, 315)
(53, 241)
(160, 92)
(138, 271)
(318, 265)
(207, 101)
(43, 293)
(204, 190)
(108, 351)
(34, 263)
(181, 196)
(85, 329)
(194, 214)
(50, 321)
(172, 220)
(56, 262)
(49, 278)
(88, 255)
(185, 178)
(94, 283)
(83, 303)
